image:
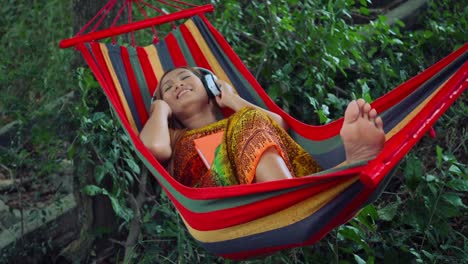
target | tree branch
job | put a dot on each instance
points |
(135, 225)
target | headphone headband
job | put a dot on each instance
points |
(205, 71)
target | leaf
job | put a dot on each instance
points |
(458, 185)
(322, 113)
(453, 199)
(389, 212)
(413, 172)
(428, 255)
(352, 233)
(92, 190)
(439, 156)
(364, 11)
(359, 260)
(129, 177)
(427, 34)
(132, 164)
(71, 151)
(368, 216)
(431, 178)
(100, 172)
(273, 91)
(371, 52)
(455, 170)
(120, 210)
(397, 41)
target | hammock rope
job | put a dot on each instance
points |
(248, 220)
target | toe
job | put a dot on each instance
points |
(352, 112)
(360, 102)
(365, 110)
(379, 123)
(372, 115)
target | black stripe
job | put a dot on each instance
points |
(222, 59)
(298, 232)
(164, 56)
(393, 116)
(116, 59)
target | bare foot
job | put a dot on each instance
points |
(362, 132)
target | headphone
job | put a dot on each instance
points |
(209, 82)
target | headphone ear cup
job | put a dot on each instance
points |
(203, 78)
(211, 86)
(209, 82)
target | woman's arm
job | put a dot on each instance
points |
(228, 98)
(155, 134)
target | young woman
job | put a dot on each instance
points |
(254, 147)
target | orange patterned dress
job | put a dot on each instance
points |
(247, 134)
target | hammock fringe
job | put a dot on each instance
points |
(131, 27)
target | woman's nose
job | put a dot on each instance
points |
(178, 85)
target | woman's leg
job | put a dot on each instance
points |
(255, 150)
(271, 167)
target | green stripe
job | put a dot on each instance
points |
(184, 48)
(340, 168)
(140, 77)
(233, 70)
(316, 147)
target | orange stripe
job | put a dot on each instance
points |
(214, 64)
(153, 58)
(413, 113)
(118, 88)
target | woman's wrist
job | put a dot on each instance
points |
(237, 103)
(161, 110)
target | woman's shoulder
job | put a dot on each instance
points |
(249, 112)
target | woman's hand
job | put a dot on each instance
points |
(228, 97)
(160, 108)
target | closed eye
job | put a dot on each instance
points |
(167, 88)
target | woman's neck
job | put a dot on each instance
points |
(198, 119)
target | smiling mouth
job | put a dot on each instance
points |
(183, 92)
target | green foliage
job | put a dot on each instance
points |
(311, 58)
(33, 78)
(32, 69)
(102, 145)
(32, 74)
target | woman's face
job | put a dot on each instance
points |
(181, 88)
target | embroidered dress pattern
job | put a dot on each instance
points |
(247, 135)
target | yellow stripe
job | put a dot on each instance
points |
(413, 113)
(215, 66)
(274, 221)
(123, 100)
(154, 61)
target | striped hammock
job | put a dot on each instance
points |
(248, 220)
